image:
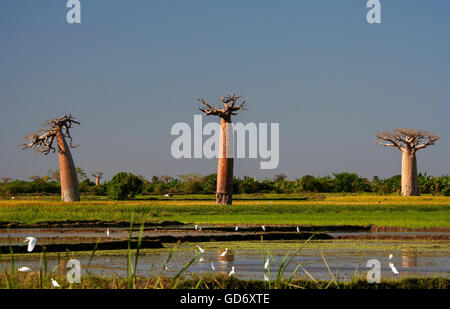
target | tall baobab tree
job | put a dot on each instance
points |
(224, 191)
(42, 141)
(98, 176)
(408, 141)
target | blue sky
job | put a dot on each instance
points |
(132, 69)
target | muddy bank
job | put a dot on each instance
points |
(375, 228)
(394, 237)
(156, 241)
(83, 224)
(110, 245)
(167, 225)
(241, 237)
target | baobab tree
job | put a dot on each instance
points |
(42, 141)
(408, 141)
(224, 191)
(98, 176)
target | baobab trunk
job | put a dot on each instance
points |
(409, 173)
(42, 141)
(224, 191)
(67, 173)
(408, 141)
(97, 181)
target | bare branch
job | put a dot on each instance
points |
(98, 175)
(407, 139)
(230, 107)
(42, 141)
(431, 140)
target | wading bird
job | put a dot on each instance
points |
(107, 232)
(298, 229)
(231, 272)
(31, 243)
(200, 249)
(225, 252)
(24, 268)
(266, 265)
(394, 270)
(55, 283)
(263, 227)
(212, 266)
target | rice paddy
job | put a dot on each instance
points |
(412, 212)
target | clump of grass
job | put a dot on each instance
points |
(220, 281)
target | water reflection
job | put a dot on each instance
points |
(409, 257)
(249, 263)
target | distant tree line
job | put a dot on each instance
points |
(126, 185)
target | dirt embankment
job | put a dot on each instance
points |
(83, 224)
(157, 241)
(394, 237)
(109, 245)
(375, 228)
(218, 227)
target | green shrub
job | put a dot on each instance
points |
(99, 190)
(124, 186)
(446, 191)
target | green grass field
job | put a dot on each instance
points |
(411, 212)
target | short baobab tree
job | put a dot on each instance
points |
(42, 141)
(408, 141)
(224, 191)
(98, 176)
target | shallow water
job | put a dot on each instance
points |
(74, 235)
(411, 257)
(418, 259)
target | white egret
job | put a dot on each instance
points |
(236, 228)
(31, 243)
(231, 272)
(394, 270)
(107, 232)
(197, 227)
(200, 249)
(298, 229)
(55, 284)
(263, 227)
(390, 256)
(266, 278)
(212, 266)
(266, 264)
(24, 268)
(225, 252)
